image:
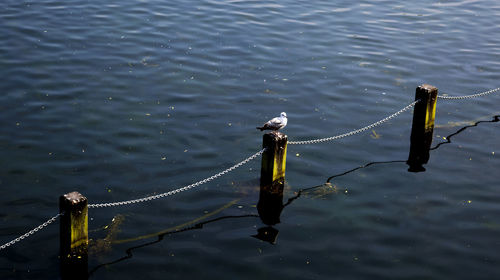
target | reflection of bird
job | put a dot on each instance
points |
(275, 123)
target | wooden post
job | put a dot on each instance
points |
(272, 177)
(274, 158)
(74, 236)
(422, 128)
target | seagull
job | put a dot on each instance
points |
(275, 123)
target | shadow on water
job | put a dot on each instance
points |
(267, 233)
(161, 236)
(271, 206)
(448, 138)
(494, 119)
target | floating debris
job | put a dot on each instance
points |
(100, 246)
(375, 135)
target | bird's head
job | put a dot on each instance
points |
(283, 114)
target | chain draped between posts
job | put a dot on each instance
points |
(144, 199)
(469, 96)
(213, 177)
(165, 194)
(354, 132)
(31, 232)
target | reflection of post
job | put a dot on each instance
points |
(74, 236)
(272, 177)
(268, 234)
(422, 128)
(269, 207)
(270, 204)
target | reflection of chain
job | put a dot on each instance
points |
(315, 141)
(470, 96)
(206, 180)
(31, 232)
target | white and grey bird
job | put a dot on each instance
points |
(275, 123)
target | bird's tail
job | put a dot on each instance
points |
(261, 128)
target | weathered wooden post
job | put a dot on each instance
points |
(74, 236)
(422, 128)
(272, 177)
(274, 158)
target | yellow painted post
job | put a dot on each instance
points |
(272, 177)
(274, 158)
(424, 115)
(74, 236)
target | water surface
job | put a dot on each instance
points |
(124, 99)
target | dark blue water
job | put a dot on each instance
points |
(124, 99)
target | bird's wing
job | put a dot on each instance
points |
(276, 121)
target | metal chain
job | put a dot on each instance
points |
(165, 194)
(469, 96)
(213, 177)
(31, 232)
(315, 141)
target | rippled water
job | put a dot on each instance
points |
(123, 99)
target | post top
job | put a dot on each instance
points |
(277, 135)
(428, 87)
(74, 197)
